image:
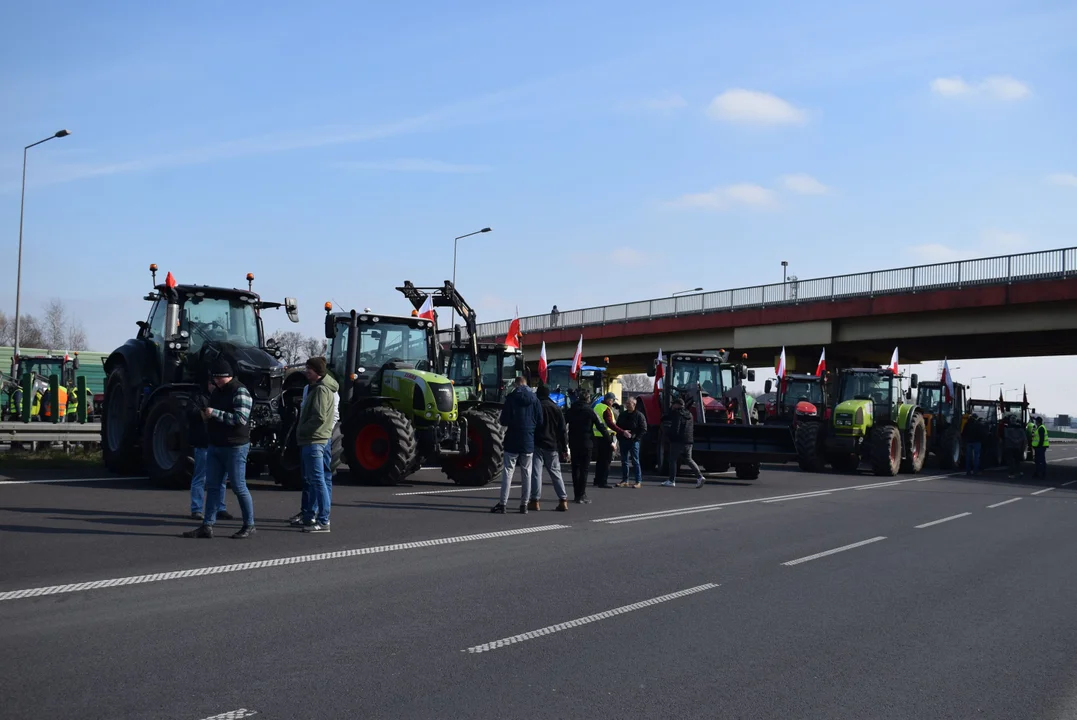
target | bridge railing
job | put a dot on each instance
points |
(998, 270)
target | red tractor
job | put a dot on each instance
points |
(727, 428)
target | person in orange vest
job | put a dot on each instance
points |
(46, 403)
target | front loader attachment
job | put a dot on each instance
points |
(737, 443)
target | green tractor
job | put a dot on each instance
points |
(874, 421)
(397, 411)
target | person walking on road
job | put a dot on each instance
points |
(521, 416)
(973, 435)
(198, 437)
(551, 447)
(681, 437)
(297, 519)
(604, 451)
(314, 432)
(635, 425)
(1040, 442)
(228, 415)
(584, 430)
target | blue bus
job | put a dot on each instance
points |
(591, 378)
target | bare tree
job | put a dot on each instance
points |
(637, 383)
(31, 334)
(62, 331)
(314, 346)
(7, 330)
(290, 344)
(76, 337)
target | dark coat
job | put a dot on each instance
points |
(582, 423)
(633, 422)
(552, 434)
(521, 416)
(682, 426)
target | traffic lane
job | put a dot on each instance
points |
(62, 533)
(409, 607)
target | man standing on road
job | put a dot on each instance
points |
(1040, 443)
(199, 439)
(314, 431)
(229, 415)
(584, 429)
(1013, 438)
(681, 437)
(521, 416)
(551, 447)
(305, 501)
(974, 436)
(635, 425)
(604, 451)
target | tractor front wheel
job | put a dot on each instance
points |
(380, 446)
(166, 451)
(950, 450)
(916, 445)
(485, 445)
(886, 450)
(807, 444)
(119, 434)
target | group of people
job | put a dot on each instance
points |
(538, 436)
(978, 433)
(220, 435)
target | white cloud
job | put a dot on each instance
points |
(991, 242)
(1063, 179)
(629, 257)
(414, 165)
(726, 196)
(804, 184)
(996, 87)
(751, 107)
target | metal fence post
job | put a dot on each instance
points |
(1009, 269)
(84, 399)
(832, 289)
(871, 284)
(959, 265)
(914, 280)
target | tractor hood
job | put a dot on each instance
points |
(850, 407)
(806, 408)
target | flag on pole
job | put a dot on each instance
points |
(514, 338)
(821, 367)
(659, 372)
(577, 360)
(1024, 396)
(542, 363)
(427, 310)
(1001, 400)
(947, 381)
(894, 361)
(780, 370)
(169, 280)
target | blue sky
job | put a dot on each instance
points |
(335, 149)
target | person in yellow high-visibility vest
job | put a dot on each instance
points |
(46, 403)
(72, 401)
(1040, 442)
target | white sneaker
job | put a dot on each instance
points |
(669, 483)
(700, 481)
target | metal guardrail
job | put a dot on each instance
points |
(49, 432)
(998, 270)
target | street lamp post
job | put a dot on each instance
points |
(452, 315)
(785, 286)
(22, 206)
(683, 292)
(1001, 387)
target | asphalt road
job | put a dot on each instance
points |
(798, 596)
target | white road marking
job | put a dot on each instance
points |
(945, 519)
(1058, 460)
(234, 715)
(843, 548)
(1004, 502)
(259, 564)
(505, 642)
(1045, 490)
(496, 488)
(798, 497)
(1069, 483)
(663, 515)
(67, 480)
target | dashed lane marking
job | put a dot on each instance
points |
(1045, 490)
(690, 511)
(1069, 483)
(233, 715)
(1004, 502)
(945, 519)
(551, 629)
(69, 480)
(843, 548)
(798, 497)
(258, 565)
(495, 488)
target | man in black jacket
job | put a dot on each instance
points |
(521, 416)
(634, 425)
(551, 447)
(681, 436)
(199, 440)
(583, 427)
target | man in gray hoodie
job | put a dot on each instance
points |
(312, 435)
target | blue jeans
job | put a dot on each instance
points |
(630, 451)
(306, 501)
(972, 457)
(316, 498)
(198, 483)
(230, 461)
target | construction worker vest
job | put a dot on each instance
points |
(46, 408)
(1036, 438)
(600, 410)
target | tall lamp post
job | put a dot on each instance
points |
(683, 292)
(452, 315)
(22, 206)
(785, 286)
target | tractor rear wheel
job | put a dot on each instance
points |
(886, 450)
(950, 449)
(166, 450)
(748, 471)
(119, 434)
(486, 452)
(808, 449)
(379, 445)
(916, 445)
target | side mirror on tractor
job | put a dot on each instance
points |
(914, 381)
(291, 306)
(330, 326)
(751, 376)
(767, 386)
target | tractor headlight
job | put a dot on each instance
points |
(429, 414)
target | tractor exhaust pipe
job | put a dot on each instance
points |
(351, 358)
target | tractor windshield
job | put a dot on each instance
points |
(227, 319)
(43, 367)
(708, 375)
(801, 390)
(386, 341)
(460, 367)
(929, 397)
(984, 411)
(865, 386)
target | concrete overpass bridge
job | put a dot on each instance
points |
(1004, 306)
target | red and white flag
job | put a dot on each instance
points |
(514, 337)
(821, 367)
(947, 381)
(780, 370)
(542, 363)
(427, 310)
(577, 360)
(659, 373)
(894, 361)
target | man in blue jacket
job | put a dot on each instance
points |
(521, 414)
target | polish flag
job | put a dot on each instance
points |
(659, 373)
(514, 337)
(577, 360)
(542, 363)
(780, 370)
(894, 361)
(427, 310)
(1024, 397)
(821, 367)
(947, 381)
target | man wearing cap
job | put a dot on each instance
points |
(604, 450)
(228, 424)
(313, 433)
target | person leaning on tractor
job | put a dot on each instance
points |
(681, 437)
(521, 416)
(313, 435)
(228, 415)
(1040, 442)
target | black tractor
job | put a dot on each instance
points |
(156, 380)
